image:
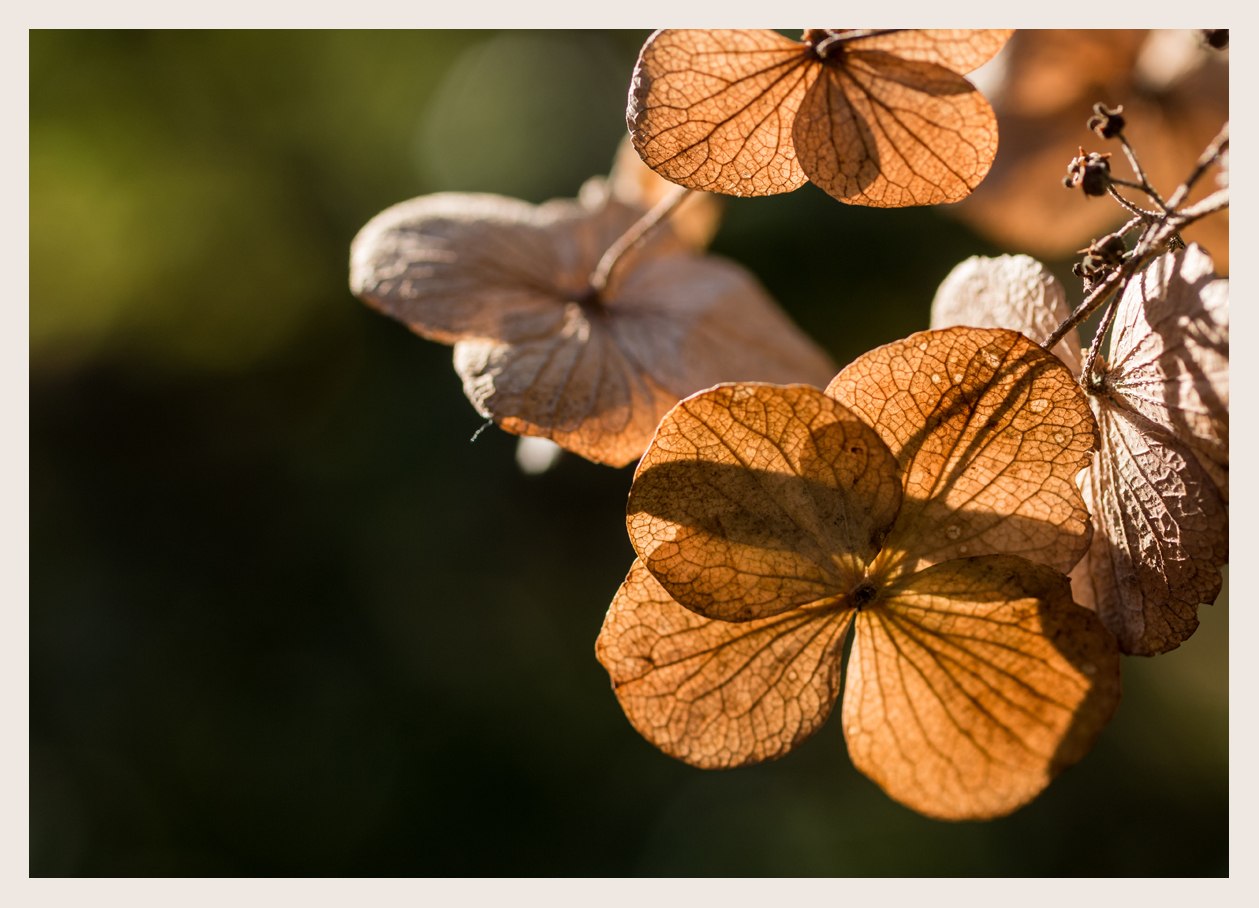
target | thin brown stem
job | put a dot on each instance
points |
(603, 271)
(1099, 293)
(849, 34)
(1205, 160)
(1138, 219)
(1090, 360)
(1145, 185)
(1216, 201)
(1141, 213)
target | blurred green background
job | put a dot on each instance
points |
(286, 620)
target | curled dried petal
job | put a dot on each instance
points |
(1160, 539)
(974, 683)
(1169, 354)
(1010, 291)
(990, 432)
(714, 693)
(755, 499)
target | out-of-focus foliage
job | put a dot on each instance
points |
(285, 619)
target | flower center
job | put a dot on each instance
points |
(862, 595)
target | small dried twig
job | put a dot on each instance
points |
(1090, 360)
(663, 208)
(1141, 213)
(1205, 160)
(1162, 231)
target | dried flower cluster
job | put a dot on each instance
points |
(993, 512)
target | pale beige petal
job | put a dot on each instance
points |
(882, 131)
(713, 693)
(713, 109)
(1010, 291)
(755, 499)
(1160, 538)
(975, 682)
(1169, 354)
(959, 49)
(459, 265)
(990, 432)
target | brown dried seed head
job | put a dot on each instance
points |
(1048, 83)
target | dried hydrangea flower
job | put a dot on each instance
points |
(770, 520)
(539, 351)
(877, 117)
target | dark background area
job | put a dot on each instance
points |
(285, 619)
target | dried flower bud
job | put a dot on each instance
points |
(1110, 249)
(1216, 37)
(1091, 172)
(1100, 256)
(1105, 122)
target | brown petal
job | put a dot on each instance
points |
(1010, 291)
(959, 49)
(1169, 354)
(634, 183)
(712, 109)
(882, 131)
(990, 432)
(974, 683)
(1160, 539)
(755, 499)
(713, 693)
